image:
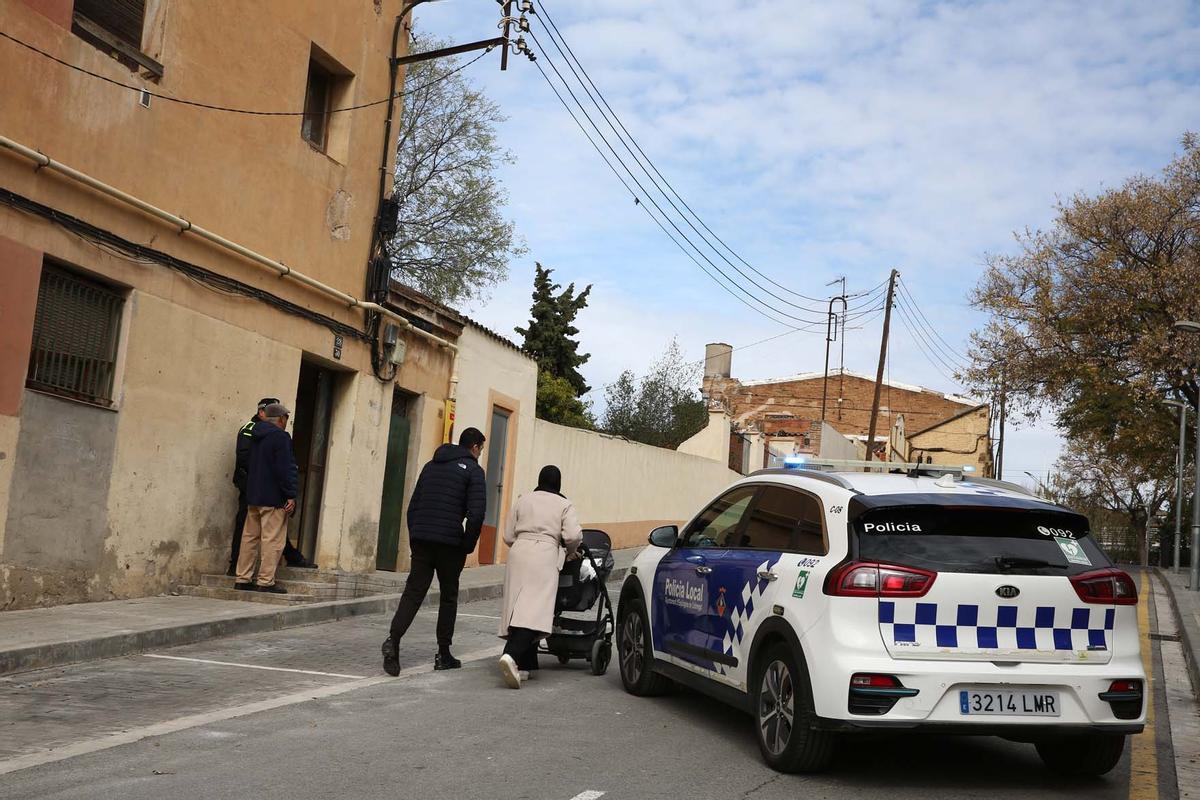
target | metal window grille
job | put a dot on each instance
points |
(75, 335)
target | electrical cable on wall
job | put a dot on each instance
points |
(213, 107)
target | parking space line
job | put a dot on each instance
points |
(590, 794)
(478, 616)
(1143, 760)
(210, 717)
(255, 666)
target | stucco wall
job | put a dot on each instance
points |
(622, 487)
(713, 441)
(958, 442)
(491, 372)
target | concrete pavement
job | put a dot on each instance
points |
(307, 712)
(47, 637)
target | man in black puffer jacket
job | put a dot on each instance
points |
(451, 487)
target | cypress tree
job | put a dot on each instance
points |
(548, 337)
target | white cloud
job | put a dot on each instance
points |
(822, 139)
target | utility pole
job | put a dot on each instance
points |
(1179, 467)
(883, 343)
(831, 327)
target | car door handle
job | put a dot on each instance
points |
(703, 570)
(764, 575)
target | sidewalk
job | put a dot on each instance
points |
(49, 637)
(1186, 606)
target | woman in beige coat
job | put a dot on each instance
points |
(542, 532)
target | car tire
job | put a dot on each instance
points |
(635, 657)
(781, 692)
(1092, 754)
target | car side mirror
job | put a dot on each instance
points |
(666, 536)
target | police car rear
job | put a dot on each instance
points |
(997, 613)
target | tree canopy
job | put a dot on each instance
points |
(452, 240)
(662, 408)
(549, 339)
(1082, 326)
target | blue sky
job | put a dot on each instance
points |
(821, 140)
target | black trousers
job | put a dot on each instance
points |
(290, 554)
(427, 558)
(522, 645)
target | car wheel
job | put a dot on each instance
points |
(784, 716)
(1092, 754)
(634, 653)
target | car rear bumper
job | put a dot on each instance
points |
(1019, 731)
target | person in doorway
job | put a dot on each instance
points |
(271, 482)
(542, 532)
(451, 488)
(241, 469)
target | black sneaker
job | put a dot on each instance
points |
(244, 587)
(274, 588)
(445, 661)
(391, 657)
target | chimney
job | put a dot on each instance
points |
(718, 360)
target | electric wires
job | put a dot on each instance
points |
(230, 110)
(651, 190)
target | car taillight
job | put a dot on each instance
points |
(1105, 586)
(1126, 686)
(866, 579)
(861, 680)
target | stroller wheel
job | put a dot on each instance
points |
(601, 655)
(563, 659)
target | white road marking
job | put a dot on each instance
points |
(478, 616)
(209, 717)
(255, 666)
(590, 794)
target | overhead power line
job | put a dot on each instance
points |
(166, 98)
(652, 173)
(946, 348)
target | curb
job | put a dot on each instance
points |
(258, 621)
(1189, 634)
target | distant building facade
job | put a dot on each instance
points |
(913, 422)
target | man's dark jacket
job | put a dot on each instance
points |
(272, 476)
(451, 487)
(241, 467)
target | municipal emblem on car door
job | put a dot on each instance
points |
(720, 605)
(1007, 592)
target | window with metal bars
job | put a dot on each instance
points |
(76, 331)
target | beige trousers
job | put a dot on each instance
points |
(265, 530)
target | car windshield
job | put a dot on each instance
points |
(992, 540)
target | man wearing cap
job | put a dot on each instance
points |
(241, 468)
(272, 479)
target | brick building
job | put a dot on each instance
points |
(914, 422)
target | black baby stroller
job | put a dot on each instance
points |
(586, 638)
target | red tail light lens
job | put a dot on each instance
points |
(1105, 586)
(1126, 686)
(861, 680)
(865, 579)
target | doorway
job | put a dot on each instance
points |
(497, 452)
(310, 442)
(391, 506)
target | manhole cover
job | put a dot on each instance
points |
(1165, 637)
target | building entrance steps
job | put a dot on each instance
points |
(47, 637)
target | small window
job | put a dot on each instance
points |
(784, 519)
(115, 26)
(75, 336)
(720, 521)
(316, 105)
(330, 86)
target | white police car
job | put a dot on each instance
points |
(832, 602)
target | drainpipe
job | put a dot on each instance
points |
(185, 226)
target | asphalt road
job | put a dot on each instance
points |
(215, 725)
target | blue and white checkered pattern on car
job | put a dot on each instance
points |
(967, 627)
(742, 608)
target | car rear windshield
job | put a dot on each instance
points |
(978, 540)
